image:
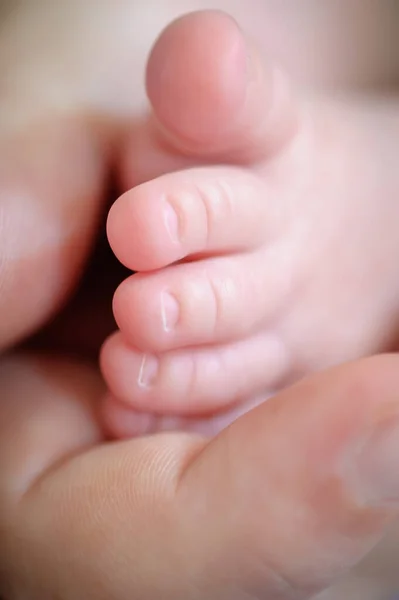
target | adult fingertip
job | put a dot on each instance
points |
(288, 483)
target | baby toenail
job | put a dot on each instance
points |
(172, 223)
(148, 371)
(169, 310)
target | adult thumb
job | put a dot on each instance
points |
(297, 492)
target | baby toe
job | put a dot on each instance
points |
(182, 215)
(212, 301)
(193, 381)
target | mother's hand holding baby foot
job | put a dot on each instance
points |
(282, 504)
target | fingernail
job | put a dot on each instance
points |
(172, 223)
(169, 310)
(378, 465)
(148, 371)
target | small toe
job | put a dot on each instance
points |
(180, 215)
(192, 381)
(217, 300)
(121, 421)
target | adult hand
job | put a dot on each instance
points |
(280, 505)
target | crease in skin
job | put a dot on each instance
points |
(121, 418)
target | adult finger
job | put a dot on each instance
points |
(280, 505)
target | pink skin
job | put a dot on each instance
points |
(62, 485)
(286, 501)
(49, 209)
(254, 274)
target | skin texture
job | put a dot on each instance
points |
(254, 275)
(68, 513)
(284, 501)
(52, 86)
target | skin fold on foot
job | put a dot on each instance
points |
(271, 260)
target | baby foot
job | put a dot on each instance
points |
(254, 274)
